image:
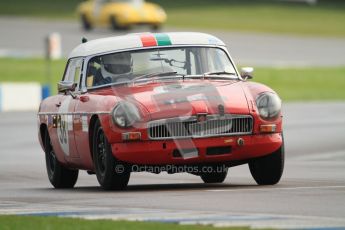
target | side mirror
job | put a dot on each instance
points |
(64, 86)
(247, 73)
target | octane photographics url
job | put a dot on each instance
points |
(172, 169)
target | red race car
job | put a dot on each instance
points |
(170, 102)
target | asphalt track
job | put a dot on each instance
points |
(311, 193)
(25, 37)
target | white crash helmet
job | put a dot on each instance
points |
(114, 65)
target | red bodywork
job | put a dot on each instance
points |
(78, 115)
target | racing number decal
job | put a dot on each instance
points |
(61, 124)
(64, 124)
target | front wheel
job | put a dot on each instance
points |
(268, 170)
(116, 26)
(111, 174)
(156, 27)
(59, 176)
(214, 177)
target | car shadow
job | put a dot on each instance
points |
(164, 187)
(181, 186)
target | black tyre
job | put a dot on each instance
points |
(115, 25)
(156, 27)
(59, 176)
(111, 174)
(215, 176)
(268, 170)
(85, 23)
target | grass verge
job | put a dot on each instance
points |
(292, 84)
(62, 9)
(306, 84)
(326, 18)
(32, 70)
(51, 223)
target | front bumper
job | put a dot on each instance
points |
(161, 152)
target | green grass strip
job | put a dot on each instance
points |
(304, 84)
(52, 223)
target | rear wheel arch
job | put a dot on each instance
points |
(43, 130)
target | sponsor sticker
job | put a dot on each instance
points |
(85, 126)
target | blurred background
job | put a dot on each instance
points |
(296, 46)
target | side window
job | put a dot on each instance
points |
(93, 74)
(73, 71)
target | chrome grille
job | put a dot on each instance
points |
(215, 125)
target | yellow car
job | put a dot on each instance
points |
(120, 14)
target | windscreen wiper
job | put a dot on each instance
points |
(171, 62)
(157, 74)
(219, 73)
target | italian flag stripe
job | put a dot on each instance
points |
(148, 40)
(163, 39)
(155, 40)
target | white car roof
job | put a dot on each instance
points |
(139, 40)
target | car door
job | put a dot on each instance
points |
(84, 107)
(65, 113)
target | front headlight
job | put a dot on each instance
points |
(125, 114)
(269, 105)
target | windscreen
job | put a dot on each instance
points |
(126, 66)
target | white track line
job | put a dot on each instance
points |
(272, 188)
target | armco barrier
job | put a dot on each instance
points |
(21, 96)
